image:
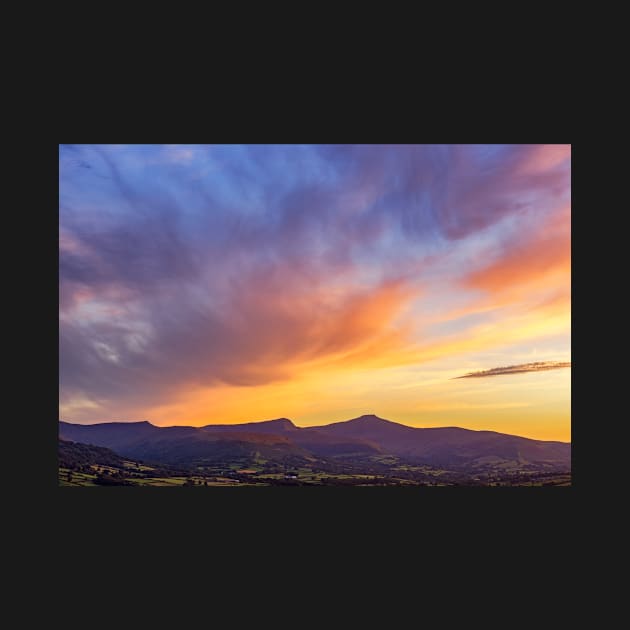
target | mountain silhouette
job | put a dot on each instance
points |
(280, 439)
(316, 441)
(279, 425)
(448, 445)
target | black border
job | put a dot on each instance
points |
(507, 513)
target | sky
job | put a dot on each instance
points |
(426, 284)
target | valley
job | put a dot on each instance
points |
(364, 451)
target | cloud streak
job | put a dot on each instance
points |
(203, 266)
(538, 366)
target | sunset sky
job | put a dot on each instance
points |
(207, 284)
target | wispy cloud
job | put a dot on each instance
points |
(208, 266)
(538, 366)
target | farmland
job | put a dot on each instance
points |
(402, 475)
(252, 459)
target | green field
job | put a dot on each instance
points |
(79, 469)
(86, 479)
(401, 476)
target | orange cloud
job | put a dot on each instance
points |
(235, 301)
(529, 260)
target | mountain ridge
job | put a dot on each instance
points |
(286, 421)
(365, 438)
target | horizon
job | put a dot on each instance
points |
(291, 421)
(309, 282)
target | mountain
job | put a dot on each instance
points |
(205, 446)
(372, 428)
(114, 435)
(183, 445)
(279, 425)
(450, 445)
(316, 441)
(366, 438)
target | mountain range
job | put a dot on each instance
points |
(367, 437)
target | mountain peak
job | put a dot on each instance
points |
(278, 425)
(285, 423)
(368, 418)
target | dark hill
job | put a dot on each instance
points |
(316, 441)
(450, 445)
(279, 425)
(281, 440)
(75, 455)
(183, 445)
(114, 435)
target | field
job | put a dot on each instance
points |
(401, 476)
(83, 465)
(69, 477)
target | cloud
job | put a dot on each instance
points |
(196, 266)
(538, 366)
(529, 253)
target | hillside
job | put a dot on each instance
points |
(449, 445)
(76, 455)
(318, 442)
(184, 445)
(365, 439)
